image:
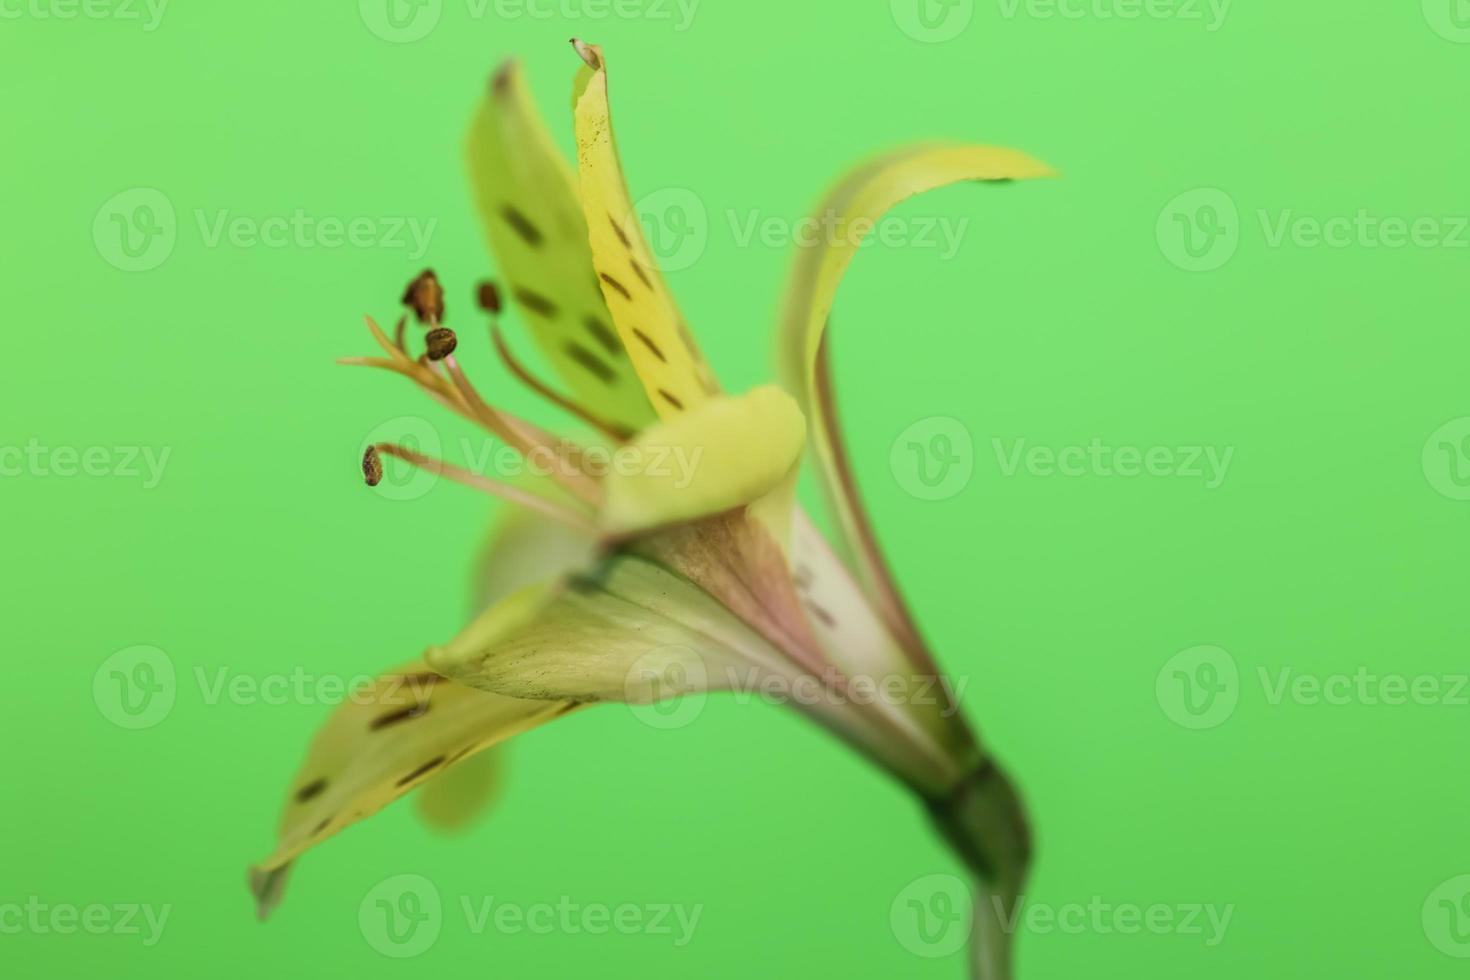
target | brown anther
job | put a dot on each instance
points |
(488, 296)
(372, 466)
(425, 297)
(441, 342)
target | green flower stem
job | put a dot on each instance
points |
(983, 820)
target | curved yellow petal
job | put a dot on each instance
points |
(859, 200)
(526, 194)
(732, 451)
(381, 743)
(674, 372)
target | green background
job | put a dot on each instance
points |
(1062, 318)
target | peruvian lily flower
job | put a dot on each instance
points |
(636, 582)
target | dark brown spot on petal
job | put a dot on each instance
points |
(671, 399)
(488, 297)
(422, 770)
(638, 270)
(535, 302)
(521, 225)
(311, 790)
(605, 337)
(618, 230)
(648, 342)
(400, 715)
(821, 613)
(616, 285)
(316, 831)
(591, 362)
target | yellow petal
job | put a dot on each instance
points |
(526, 194)
(381, 743)
(859, 201)
(728, 453)
(673, 371)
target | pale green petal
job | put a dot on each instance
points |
(728, 453)
(523, 548)
(620, 633)
(381, 743)
(858, 202)
(526, 194)
(854, 637)
(451, 801)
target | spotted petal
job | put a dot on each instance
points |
(382, 743)
(674, 372)
(527, 198)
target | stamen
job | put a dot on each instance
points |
(457, 394)
(610, 429)
(372, 466)
(398, 334)
(522, 436)
(441, 343)
(425, 297)
(496, 488)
